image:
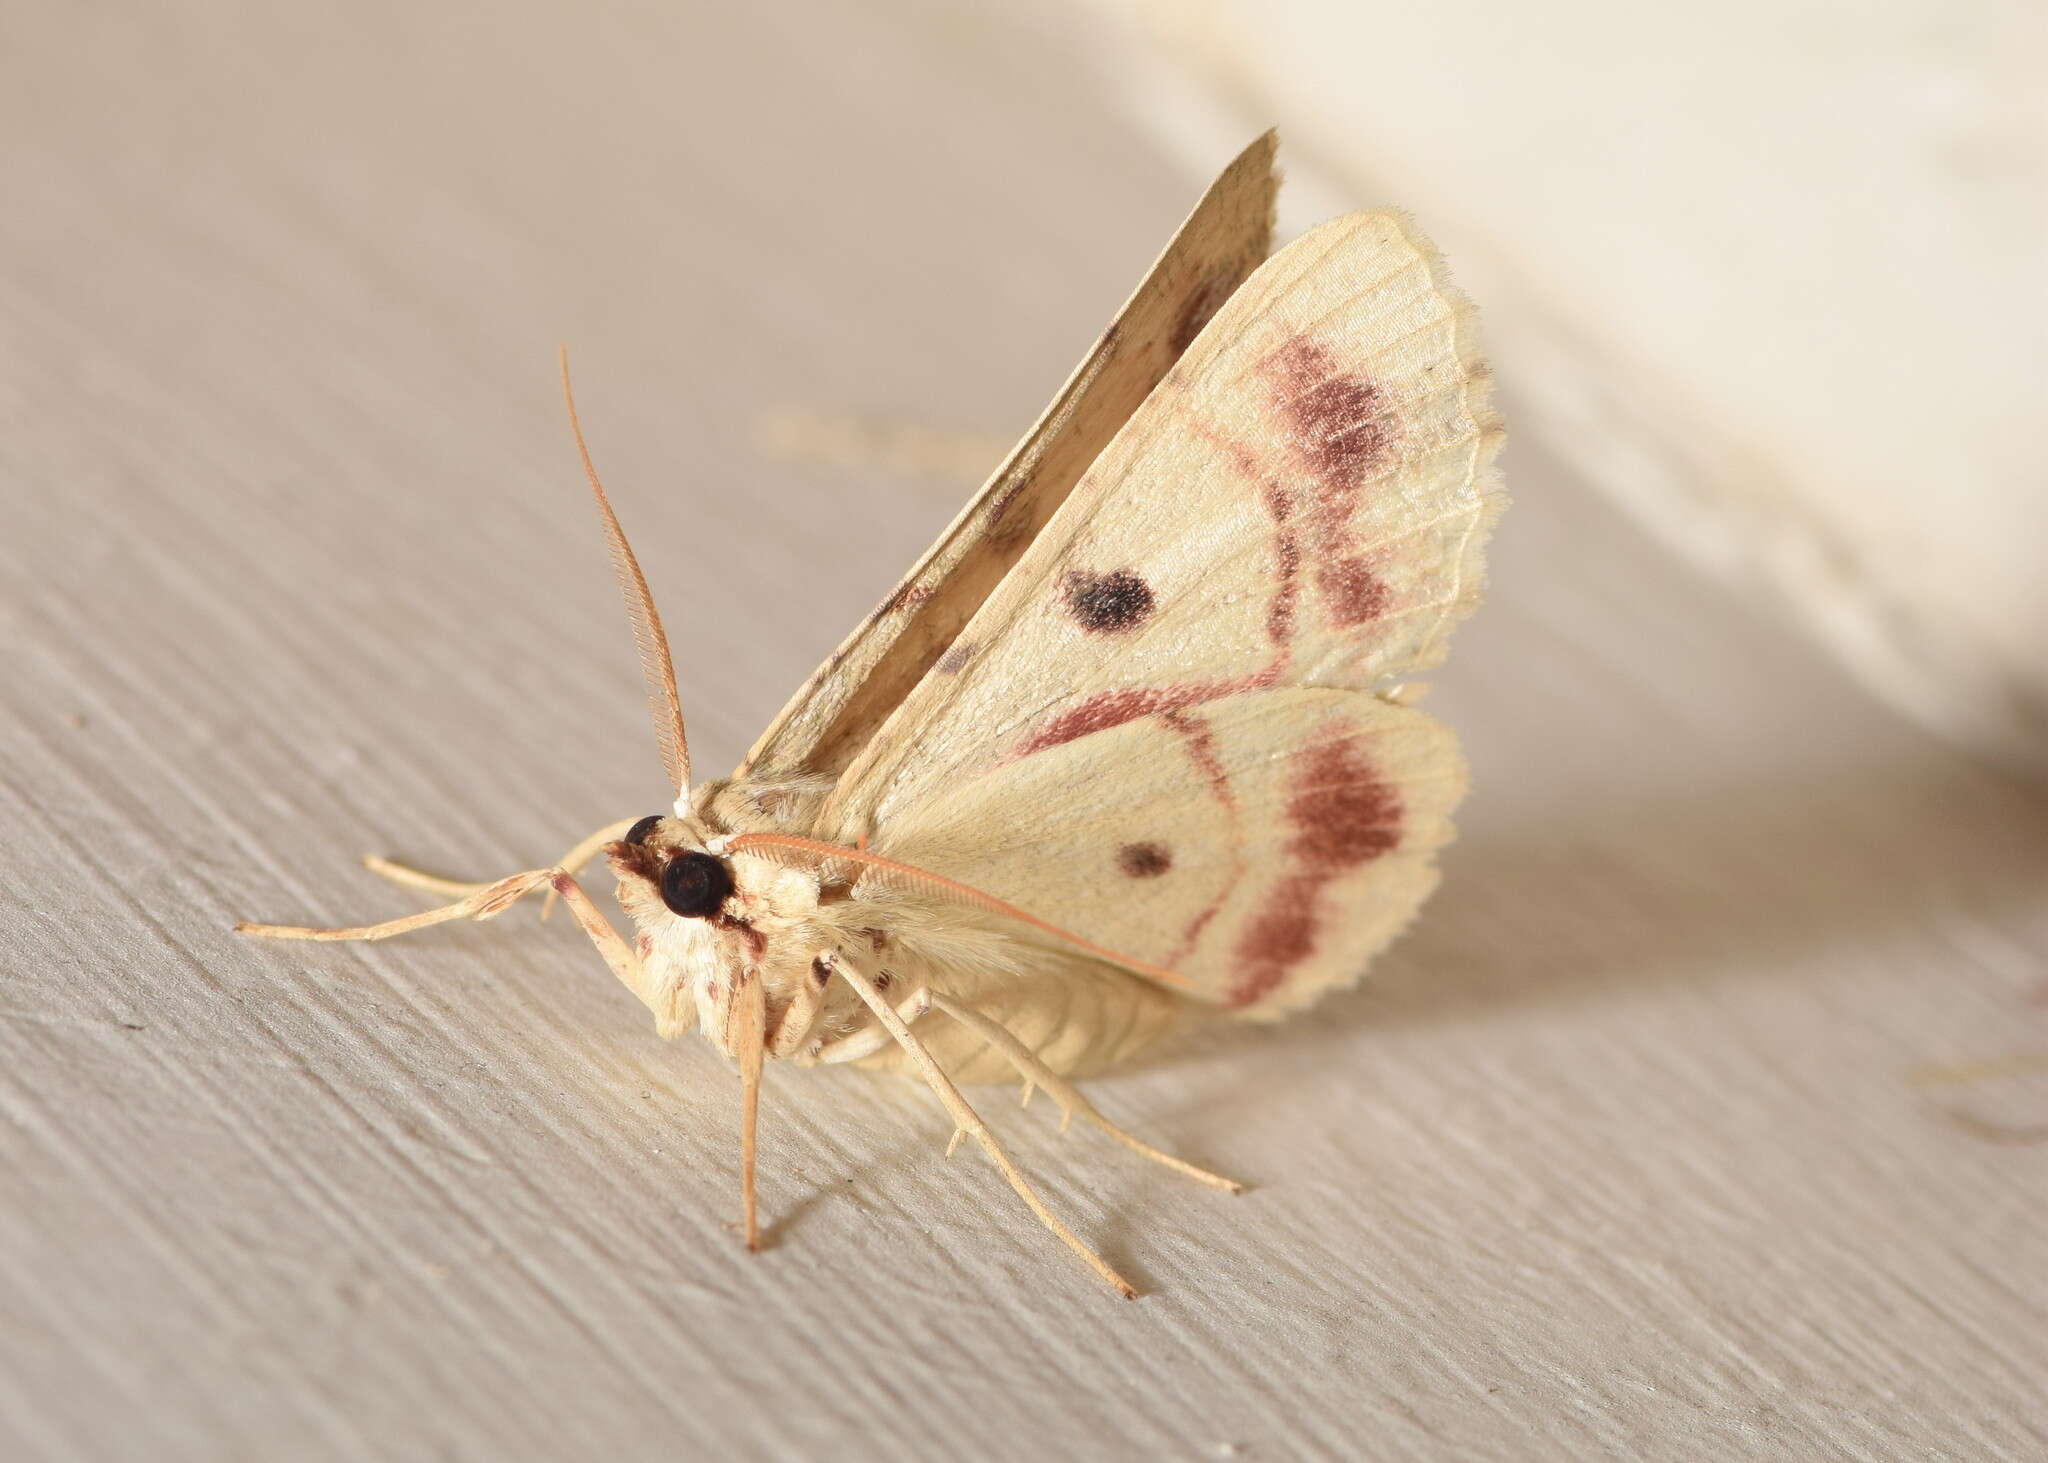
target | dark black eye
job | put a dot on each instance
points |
(639, 831)
(695, 884)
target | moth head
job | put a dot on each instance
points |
(692, 883)
(668, 879)
(708, 922)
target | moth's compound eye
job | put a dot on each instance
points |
(695, 884)
(639, 831)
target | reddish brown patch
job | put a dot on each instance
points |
(1344, 816)
(1286, 563)
(1351, 592)
(1201, 747)
(1281, 936)
(1144, 860)
(1106, 604)
(1342, 430)
(1338, 423)
(1109, 709)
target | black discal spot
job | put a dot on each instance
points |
(1107, 604)
(639, 831)
(1144, 860)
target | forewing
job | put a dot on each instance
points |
(1263, 846)
(847, 698)
(1302, 502)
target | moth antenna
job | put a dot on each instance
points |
(657, 668)
(790, 848)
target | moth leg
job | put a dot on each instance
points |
(751, 1014)
(592, 845)
(866, 1043)
(794, 1024)
(413, 878)
(487, 903)
(1063, 1092)
(966, 1120)
(570, 863)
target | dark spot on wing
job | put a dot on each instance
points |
(1106, 604)
(1144, 860)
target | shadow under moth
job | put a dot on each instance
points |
(1130, 742)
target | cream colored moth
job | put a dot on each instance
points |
(1130, 743)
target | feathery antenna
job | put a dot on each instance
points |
(656, 666)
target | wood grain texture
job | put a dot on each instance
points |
(1617, 1155)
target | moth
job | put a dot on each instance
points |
(1131, 743)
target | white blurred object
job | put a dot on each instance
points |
(1771, 273)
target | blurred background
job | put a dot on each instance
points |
(1699, 1116)
(1772, 274)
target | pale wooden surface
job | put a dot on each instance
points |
(1617, 1156)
